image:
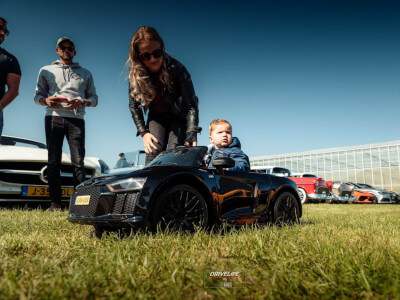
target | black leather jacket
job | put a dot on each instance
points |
(181, 100)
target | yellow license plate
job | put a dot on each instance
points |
(82, 200)
(43, 191)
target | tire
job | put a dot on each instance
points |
(98, 231)
(286, 209)
(303, 195)
(181, 208)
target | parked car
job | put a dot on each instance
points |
(382, 196)
(178, 191)
(310, 189)
(342, 192)
(304, 175)
(394, 196)
(363, 197)
(23, 171)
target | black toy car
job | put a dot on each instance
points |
(178, 191)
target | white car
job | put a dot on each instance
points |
(23, 171)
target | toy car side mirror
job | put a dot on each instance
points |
(223, 163)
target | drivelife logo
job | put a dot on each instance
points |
(224, 279)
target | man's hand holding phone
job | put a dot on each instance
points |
(55, 100)
(75, 103)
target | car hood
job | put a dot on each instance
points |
(373, 191)
(16, 153)
(123, 171)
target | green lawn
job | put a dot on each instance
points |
(338, 251)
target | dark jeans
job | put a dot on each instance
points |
(1, 124)
(74, 131)
(168, 129)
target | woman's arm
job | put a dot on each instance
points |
(137, 114)
(190, 101)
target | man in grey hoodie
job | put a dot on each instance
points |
(66, 89)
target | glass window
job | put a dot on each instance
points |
(350, 160)
(384, 159)
(375, 161)
(335, 161)
(342, 161)
(367, 159)
(394, 158)
(358, 160)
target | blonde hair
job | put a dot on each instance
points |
(139, 76)
(218, 122)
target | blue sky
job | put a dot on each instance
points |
(289, 75)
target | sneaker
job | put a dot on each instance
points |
(54, 207)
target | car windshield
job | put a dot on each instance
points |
(181, 156)
(365, 185)
(281, 172)
(136, 158)
(355, 184)
(15, 141)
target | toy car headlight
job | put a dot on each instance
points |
(128, 184)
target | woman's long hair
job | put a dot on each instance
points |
(142, 88)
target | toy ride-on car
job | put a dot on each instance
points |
(178, 191)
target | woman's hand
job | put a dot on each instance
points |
(148, 140)
(191, 139)
(193, 144)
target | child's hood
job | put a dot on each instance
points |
(235, 143)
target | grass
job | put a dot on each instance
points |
(338, 251)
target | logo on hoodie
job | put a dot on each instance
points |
(75, 76)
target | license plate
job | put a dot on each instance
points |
(82, 200)
(43, 191)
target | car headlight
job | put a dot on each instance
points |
(126, 185)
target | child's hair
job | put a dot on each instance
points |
(217, 122)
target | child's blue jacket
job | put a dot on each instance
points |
(233, 151)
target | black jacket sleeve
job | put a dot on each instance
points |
(137, 113)
(189, 100)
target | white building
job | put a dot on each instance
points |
(374, 164)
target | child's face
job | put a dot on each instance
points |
(221, 135)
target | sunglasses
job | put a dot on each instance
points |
(147, 55)
(2, 27)
(63, 48)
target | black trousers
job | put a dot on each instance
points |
(74, 130)
(168, 129)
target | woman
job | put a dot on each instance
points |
(162, 86)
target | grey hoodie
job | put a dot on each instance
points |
(69, 81)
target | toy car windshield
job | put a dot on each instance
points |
(181, 156)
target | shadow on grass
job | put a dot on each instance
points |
(216, 230)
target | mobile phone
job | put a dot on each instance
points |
(62, 99)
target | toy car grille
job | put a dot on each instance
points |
(86, 210)
(124, 203)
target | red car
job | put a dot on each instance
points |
(310, 189)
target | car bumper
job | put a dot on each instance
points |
(385, 201)
(12, 192)
(104, 207)
(343, 199)
(320, 197)
(109, 219)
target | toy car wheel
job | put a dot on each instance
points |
(286, 209)
(303, 195)
(98, 231)
(180, 207)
